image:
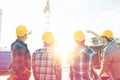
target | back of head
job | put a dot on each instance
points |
(21, 30)
(47, 37)
(108, 34)
(79, 36)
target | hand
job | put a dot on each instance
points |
(30, 32)
(101, 72)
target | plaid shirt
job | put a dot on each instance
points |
(43, 64)
(80, 63)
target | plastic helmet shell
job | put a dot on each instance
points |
(107, 33)
(47, 37)
(79, 36)
(21, 30)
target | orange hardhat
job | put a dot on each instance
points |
(79, 36)
(21, 30)
(47, 37)
(12, 77)
(107, 33)
(27, 73)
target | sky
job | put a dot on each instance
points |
(66, 16)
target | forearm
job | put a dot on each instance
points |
(95, 34)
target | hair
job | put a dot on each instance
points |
(80, 42)
(108, 39)
(48, 44)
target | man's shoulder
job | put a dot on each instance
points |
(17, 45)
(88, 49)
(38, 51)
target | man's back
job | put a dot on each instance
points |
(80, 66)
(20, 56)
(112, 59)
(43, 64)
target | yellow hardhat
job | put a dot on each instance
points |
(108, 34)
(79, 36)
(47, 37)
(21, 30)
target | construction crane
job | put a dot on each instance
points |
(47, 15)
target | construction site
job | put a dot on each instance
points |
(63, 18)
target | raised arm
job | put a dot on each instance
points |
(95, 34)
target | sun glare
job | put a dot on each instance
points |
(66, 44)
(64, 48)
